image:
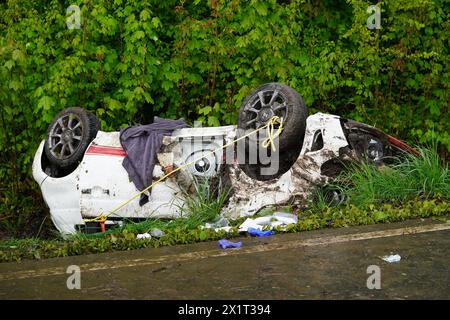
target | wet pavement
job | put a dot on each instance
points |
(325, 264)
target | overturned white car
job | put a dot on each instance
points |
(81, 174)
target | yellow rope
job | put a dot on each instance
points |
(270, 132)
(269, 141)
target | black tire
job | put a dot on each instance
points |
(258, 107)
(68, 136)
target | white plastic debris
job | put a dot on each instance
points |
(278, 219)
(392, 258)
(286, 218)
(143, 236)
(226, 229)
(209, 226)
(257, 223)
(157, 233)
(220, 224)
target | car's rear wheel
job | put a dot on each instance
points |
(68, 136)
(266, 101)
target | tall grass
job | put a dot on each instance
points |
(330, 195)
(207, 201)
(424, 176)
(429, 175)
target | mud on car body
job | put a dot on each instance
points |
(80, 173)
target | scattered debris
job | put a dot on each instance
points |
(224, 244)
(278, 219)
(392, 258)
(157, 233)
(286, 218)
(207, 226)
(221, 224)
(226, 229)
(143, 236)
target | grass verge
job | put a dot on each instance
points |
(349, 215)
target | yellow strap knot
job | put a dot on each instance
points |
(271, 135)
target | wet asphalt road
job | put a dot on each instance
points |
(326, 264)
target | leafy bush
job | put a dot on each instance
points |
(199, 59)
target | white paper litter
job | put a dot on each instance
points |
(392, 258)
(143, 236)
(209, 226)
(226, 229)
(278, 219)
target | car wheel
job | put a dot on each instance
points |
(268, 100)
(68, 136)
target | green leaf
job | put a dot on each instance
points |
(156, 22)
(46, 102)
(261, 8)
(18, 55)
(205, 110)
(167, 85)
(113, 104)
(203, 235)
(139, 34)
(9, 64)
(145, 15)
(213, 121)
(15, 85)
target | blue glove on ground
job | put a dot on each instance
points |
(224, 243)
(259, 233)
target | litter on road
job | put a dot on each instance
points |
(392, 258)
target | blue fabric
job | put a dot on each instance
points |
(224, 244)
(259, 233)
(141, 143)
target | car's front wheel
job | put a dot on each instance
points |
(68, 136)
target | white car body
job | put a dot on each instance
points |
(100, 182)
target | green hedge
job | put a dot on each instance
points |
(199, 59)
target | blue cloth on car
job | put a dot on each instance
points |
(259, 233)
(224, 244)
(141, 143)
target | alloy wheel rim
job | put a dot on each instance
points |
(65, 136)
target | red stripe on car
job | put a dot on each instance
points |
(105, 151)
